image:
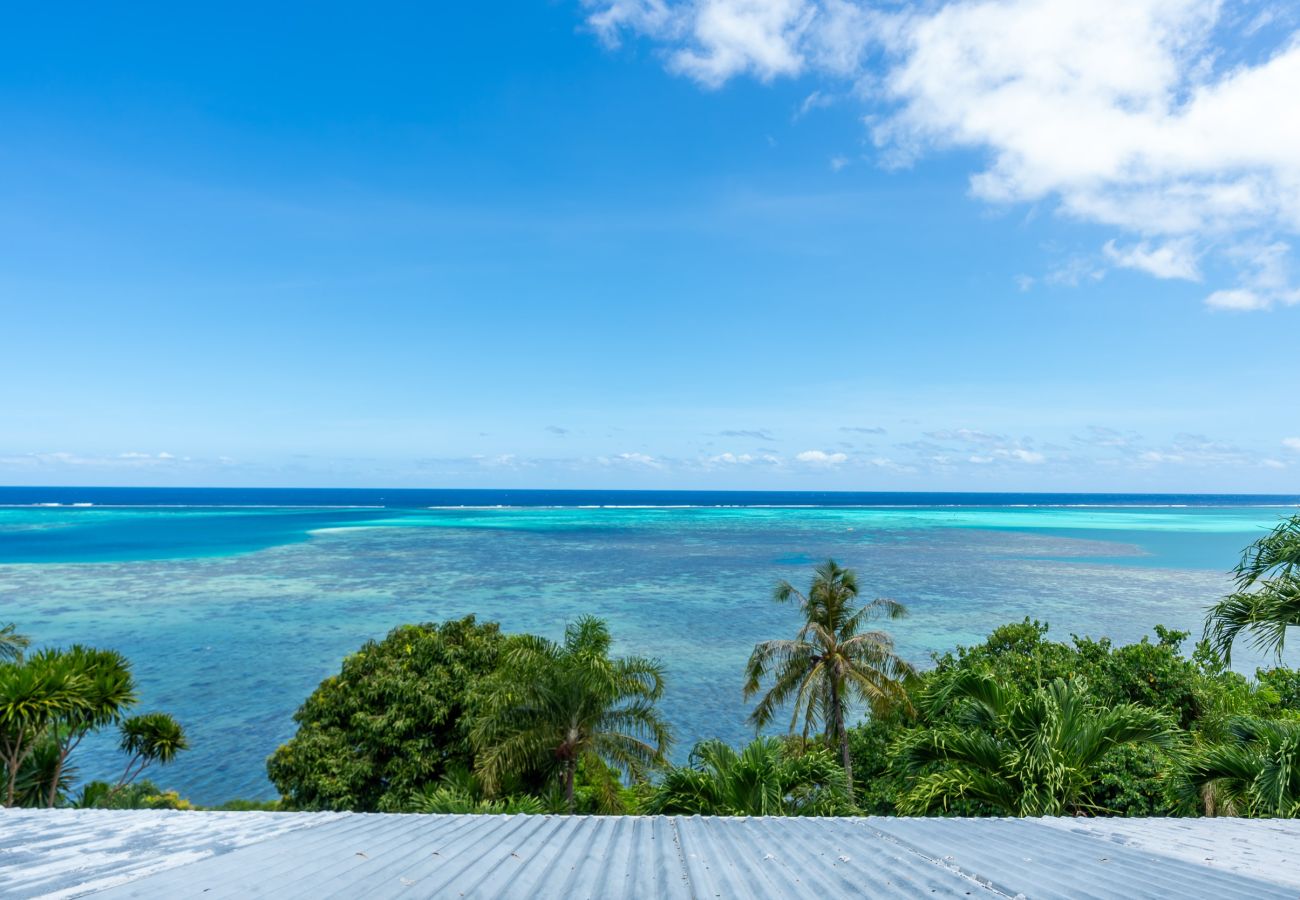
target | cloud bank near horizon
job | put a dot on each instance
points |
(1170, 122)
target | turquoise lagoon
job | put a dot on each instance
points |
(233, 614)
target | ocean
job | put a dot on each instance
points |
(234, 603)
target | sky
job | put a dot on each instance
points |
(1033, 245)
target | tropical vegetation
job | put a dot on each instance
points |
(53, 699)
(770, 777)
(831, 662)
(1267, 599)
(460, 717)
(553, 706)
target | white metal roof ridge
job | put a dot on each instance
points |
(70, 853)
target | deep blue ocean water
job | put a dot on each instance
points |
(233, 604)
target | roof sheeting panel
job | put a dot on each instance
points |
(289, 855)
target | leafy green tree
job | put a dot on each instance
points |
(105, 692)
(393, 721)
(1256, 774)
(832, 661)
(149, 739)
(33, 693)
(1267, 599)
(551, 706)
(43, 767)
(770, 777)
(1036, 754)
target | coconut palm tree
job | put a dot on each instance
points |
(767, 778)
(1030, 755)
(551, 705)
(1257, 773)
(148, 739)
(832, 661)
(1267, 599)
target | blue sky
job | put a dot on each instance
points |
(723, 243)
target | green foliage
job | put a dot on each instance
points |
(248, 806)
(51, 700)
(1031, 754)
(139, 795)
(1282, 686)
(770, 777)
(12, 644)
(878, 782)
(392, 722)
(448, 800)
(832, 661)
(33, 694)
(43, 772)
(149, 739)
(1257, 773)
(1267, 599)
(553, 707)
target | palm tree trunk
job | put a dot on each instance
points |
(837, 717)
(569, 768)
(54, 781)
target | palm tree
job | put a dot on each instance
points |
(1257, 773)
(1267, 599)
(1034, 755)
(12, 644)
(767, 778)
(831, 661)
(148, 739)
(550, 706)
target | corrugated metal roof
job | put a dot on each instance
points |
(68, 853)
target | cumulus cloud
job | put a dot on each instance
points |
(639, 459)
(821, 458)
(1169, 121)
(1291, 443)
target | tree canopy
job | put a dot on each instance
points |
(552, 707)
(393, 721)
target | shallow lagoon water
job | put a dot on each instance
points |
(232, 616)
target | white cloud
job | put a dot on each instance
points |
(815, 100)
(130, 459)
(1239, 299)
(1156, 118)
(821, 458)
(732, 459)
(1033, 457)
(640, 459)
(1172, 259)
(1291, 443)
